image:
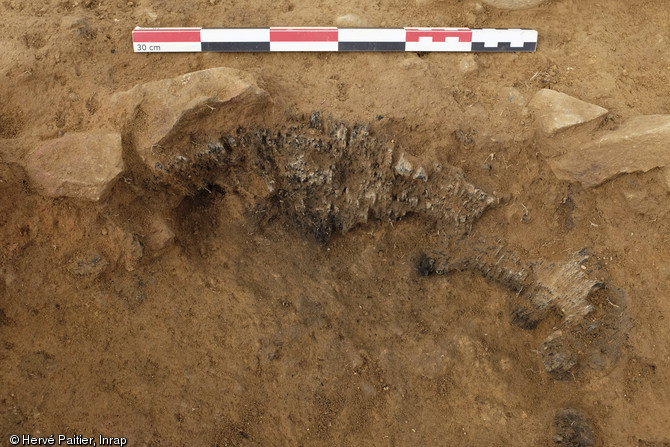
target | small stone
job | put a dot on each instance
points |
(421, 174)
(147, 15)
(124, 248)
(513, 4)
(160, 234)
(413, 62)
(467, 63)
(134, 250)
(557, 111)
(80, 165)
(404, 167)
(351, 21)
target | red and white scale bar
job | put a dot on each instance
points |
(153, 40)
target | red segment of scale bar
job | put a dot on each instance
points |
(438, 34)
(303, 34)
(163, 35)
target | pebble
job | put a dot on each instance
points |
(467, 63)
(351, 21)
(413, 62)
(160, 234)
(147, 15)
(421, 174)
(404, 167)
(513, 4)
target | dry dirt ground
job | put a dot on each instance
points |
(248, 331)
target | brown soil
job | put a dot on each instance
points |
(248, 330)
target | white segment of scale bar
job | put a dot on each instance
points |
(492, 37)
(235, 35)
(371, 35)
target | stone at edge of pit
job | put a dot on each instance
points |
(556, 111)
(665, 175)
(513, 4)
(156, 111)
(81, 165)
(642, 143)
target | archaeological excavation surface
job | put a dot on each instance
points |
(319, 249)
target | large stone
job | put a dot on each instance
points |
(639, 145)
(665, 175)
(512, 4)
(160, 112)
(82, 165)
(555, 111)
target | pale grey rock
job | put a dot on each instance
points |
(404, 167)
(160, 234)
(467, 63)
(420, 174)
(555, 111)
(639, 145)
(82, 165)
(158, 112)
(665, 175)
